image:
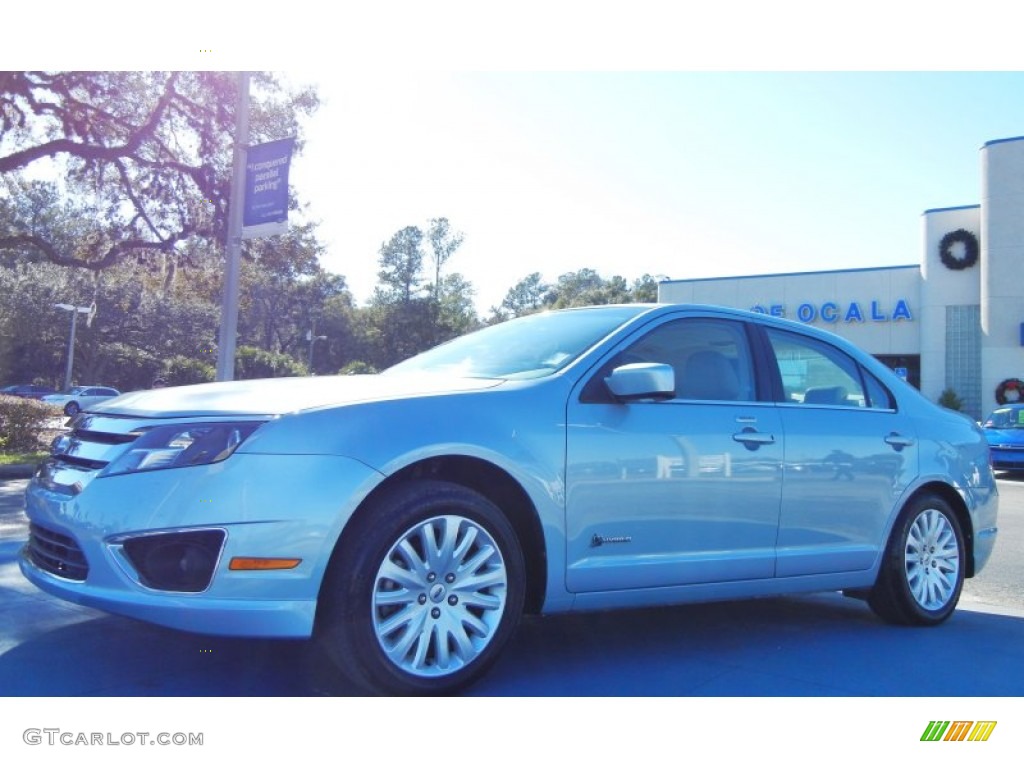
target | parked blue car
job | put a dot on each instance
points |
(594, 458)
(1004, 430)
(31, 391)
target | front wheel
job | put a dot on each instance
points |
(425, 591)
(71, 409)
(922, 571)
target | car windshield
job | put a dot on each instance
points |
(1006, 418)
(524, 348)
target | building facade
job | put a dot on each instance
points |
(953, 321)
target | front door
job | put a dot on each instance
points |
(683, 491)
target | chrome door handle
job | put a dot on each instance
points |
(898, 441)
(752, 438)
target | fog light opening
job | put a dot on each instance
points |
(176, 562)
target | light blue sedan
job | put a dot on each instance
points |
(595, 458)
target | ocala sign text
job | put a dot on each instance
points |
(831, 312)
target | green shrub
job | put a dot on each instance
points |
(179, 370)
(25, 424)
(253, 363)
(356, 367)
(950, 399)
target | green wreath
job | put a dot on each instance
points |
(971, 249)
(1010, 391)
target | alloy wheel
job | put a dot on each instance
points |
(439, 596)
(932, 560)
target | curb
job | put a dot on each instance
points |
(16, 471)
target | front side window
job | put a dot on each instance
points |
(711, 358)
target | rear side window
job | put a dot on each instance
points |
(815, 373)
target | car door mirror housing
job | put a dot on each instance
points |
(642, 381)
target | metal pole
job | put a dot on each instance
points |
(312, 341)
(229, 306)
(71, 349)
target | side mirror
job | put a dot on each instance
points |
(643, 381)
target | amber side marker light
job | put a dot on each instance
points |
(263, 563)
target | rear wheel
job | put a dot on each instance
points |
(426, 590)
(922, 571)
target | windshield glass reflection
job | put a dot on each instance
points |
(524, 348)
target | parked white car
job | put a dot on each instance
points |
(80, 398)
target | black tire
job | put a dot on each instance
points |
(71, 409)
(446, 621)
(922, 570)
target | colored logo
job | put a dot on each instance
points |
(958, 730)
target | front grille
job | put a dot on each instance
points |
(107, 438)
(56, 553)
(75, 461)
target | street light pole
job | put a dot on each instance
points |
(71, 339)
(313, 339)
(229, 304)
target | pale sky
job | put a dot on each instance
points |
(685, 174)
(648, 138)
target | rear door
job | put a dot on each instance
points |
(850, 454)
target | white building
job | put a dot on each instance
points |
(956, 320)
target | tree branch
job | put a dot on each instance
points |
(135, 200)
(113, 254)
(94, 152)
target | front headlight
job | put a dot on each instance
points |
(182, 445)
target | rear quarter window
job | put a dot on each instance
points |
(878, 395)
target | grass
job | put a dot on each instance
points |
(22, 458)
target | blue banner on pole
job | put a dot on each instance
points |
(266, 188)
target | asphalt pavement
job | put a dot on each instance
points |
(814, 645)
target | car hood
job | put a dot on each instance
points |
(1013, 436)
(284, 395)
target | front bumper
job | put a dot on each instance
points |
(267, 506)
(1008, 459)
